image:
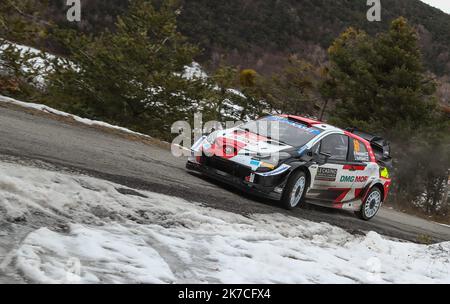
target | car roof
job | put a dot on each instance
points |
(327, 129)
(313, 123)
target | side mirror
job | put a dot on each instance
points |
(325, 154)
(321, 158)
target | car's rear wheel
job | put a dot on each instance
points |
(371, 205)
(295, 190)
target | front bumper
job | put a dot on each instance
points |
(241, 177)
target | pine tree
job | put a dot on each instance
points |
(381, 84)
(222, 102)
(131, 76)
(21, 21)
(292, 90)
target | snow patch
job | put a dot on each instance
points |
(236, 92)
(117, 238)
(37, 62)
(102, 255)
(445, 225)
(194, 71)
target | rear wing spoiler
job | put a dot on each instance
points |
(381, 147)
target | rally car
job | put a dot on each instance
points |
(294, 159)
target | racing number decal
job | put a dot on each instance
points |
(356, 146)
(360, 152)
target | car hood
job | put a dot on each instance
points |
(244, 147)
(250, 143)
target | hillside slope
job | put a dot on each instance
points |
(259, 33)
(257, 30)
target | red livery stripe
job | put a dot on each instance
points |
(344, 193)
(358, 192)
(356, 168)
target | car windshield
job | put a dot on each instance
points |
(283, 130)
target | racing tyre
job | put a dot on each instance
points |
(295, 190)
(371, 205)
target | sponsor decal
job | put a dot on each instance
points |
(361, 179)
(283, 168)
(326, 174)
(267, 165)
(362, 156)
(384, 173)
(255, 163)
(252, 178)
(356, 179)
(347, 179)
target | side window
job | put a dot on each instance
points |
(336, 145)
(360, 152)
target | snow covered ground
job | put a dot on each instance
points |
(108, 234)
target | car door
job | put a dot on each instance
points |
(332, 182)
(363, 169)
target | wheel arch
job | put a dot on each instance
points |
(380, 187)
(304, 168)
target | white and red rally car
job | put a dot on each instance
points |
(294, 159)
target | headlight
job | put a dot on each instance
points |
(274, 160)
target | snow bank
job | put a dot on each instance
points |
(37, 62)
(146, 238)
(113, 256)
(194, 71)
(86, 121)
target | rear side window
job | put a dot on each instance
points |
(360, 152)
(336, 145)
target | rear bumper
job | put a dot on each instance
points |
(263, 187)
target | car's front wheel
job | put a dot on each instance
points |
(371, 205)
(295, 190)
